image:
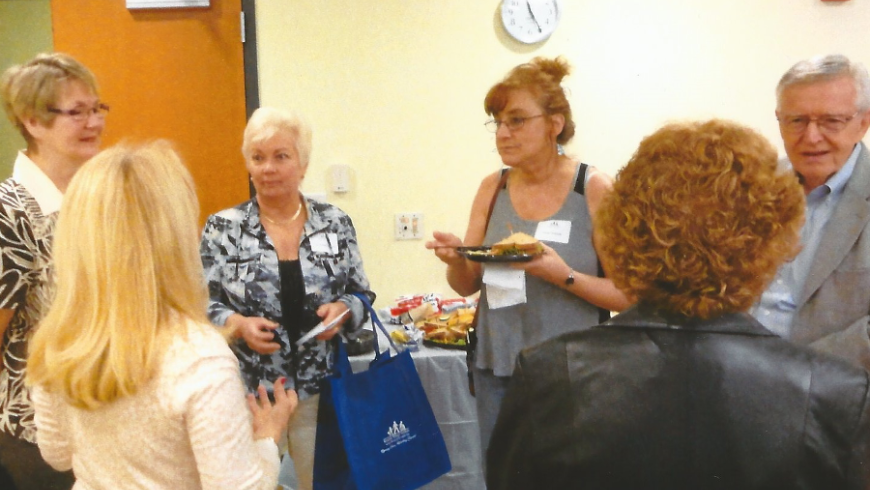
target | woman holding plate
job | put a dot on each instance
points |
(542, 193)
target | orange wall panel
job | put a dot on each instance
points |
(168, 73)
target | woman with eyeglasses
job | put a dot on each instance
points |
(54, 103)
(542, 193)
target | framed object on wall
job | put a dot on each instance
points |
(163, 4)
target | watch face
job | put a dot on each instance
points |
(530, 21)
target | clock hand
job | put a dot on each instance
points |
(529, 6)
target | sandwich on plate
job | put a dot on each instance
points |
(518, 244)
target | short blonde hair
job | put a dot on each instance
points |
(31, 89)
(129, 275)
(699, 219)
(265, 122)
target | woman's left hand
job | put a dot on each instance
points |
(328, 312)
(270, 419)
(549, 266)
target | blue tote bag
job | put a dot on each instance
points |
(376, 429)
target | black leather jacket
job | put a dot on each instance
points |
(642, 402)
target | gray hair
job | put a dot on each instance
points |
(824, 68)
(265, 122)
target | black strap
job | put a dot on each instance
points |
(603, 313)
(580, 185)
(580, 188)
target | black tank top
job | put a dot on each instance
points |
(292, 298)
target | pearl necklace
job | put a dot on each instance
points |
(286, 222)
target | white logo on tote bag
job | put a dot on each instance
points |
(397, 434)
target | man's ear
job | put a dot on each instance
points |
(865, 122)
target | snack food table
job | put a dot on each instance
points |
(445, 380)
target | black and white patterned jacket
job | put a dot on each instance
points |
(241, 267)
(29, 205)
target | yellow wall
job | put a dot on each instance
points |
(394, 89)
(25, 30)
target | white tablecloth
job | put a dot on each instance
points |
(445, 379)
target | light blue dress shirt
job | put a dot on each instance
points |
(777, 306)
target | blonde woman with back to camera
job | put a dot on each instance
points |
(132, 386)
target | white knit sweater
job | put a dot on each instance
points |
(190, 428)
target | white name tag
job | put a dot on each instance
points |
(324, 243)
(556, 230)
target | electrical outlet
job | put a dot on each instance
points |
(409, 226)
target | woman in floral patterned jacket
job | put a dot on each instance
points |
(278, 265)
(53, 101)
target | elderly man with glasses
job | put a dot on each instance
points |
(822, 297)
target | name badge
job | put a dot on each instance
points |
(557, 230)
(324, 243)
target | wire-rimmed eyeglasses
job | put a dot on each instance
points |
(827, 123)
(81, 113)
(513, 123)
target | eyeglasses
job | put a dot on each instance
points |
(513, 123)
(80, 114)
(828, 123)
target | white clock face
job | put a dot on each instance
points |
(530, 21)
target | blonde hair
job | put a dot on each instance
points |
(31, 89)
(128, 273)
(265, 122)
(699, 219)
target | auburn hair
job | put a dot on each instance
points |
(699, 219)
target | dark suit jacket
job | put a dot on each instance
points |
(834, 306)
(647, 403)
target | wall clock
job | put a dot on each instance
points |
(530, 21)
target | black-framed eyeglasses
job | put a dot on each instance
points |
(80, 114)
(827, 123)
(513, 123)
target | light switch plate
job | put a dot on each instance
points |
(409, 226)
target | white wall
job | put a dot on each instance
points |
(394, 89)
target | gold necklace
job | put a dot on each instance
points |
(286, 222)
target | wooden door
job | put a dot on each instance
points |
(168, 73)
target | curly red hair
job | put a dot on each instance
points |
(700, 219)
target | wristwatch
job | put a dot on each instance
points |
(570, 279)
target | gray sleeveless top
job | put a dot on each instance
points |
(549, 310)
